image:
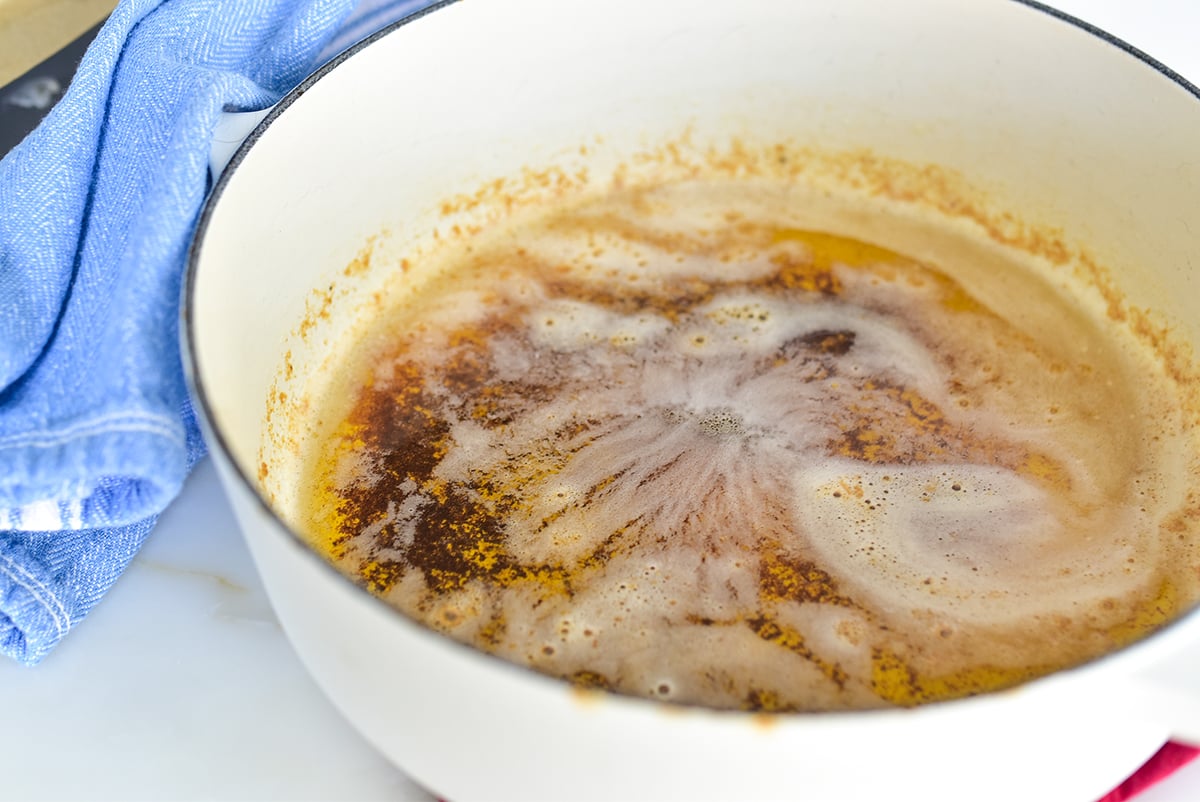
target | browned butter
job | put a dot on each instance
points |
(710, 441)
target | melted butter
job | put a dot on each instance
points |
(675, 443)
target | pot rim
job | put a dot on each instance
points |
(216, 438)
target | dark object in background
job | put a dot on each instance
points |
(25, 101)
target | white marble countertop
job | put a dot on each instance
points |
(181, 685)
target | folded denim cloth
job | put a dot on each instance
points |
(97, 207)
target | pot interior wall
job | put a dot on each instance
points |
(1054, 123)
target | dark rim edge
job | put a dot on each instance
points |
(200, 399)
(1116, 42)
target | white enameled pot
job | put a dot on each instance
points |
(1056, 120)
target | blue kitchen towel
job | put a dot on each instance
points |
(97, 207)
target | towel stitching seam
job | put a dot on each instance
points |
(149, 428)
(156, 424)
(40, 593)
